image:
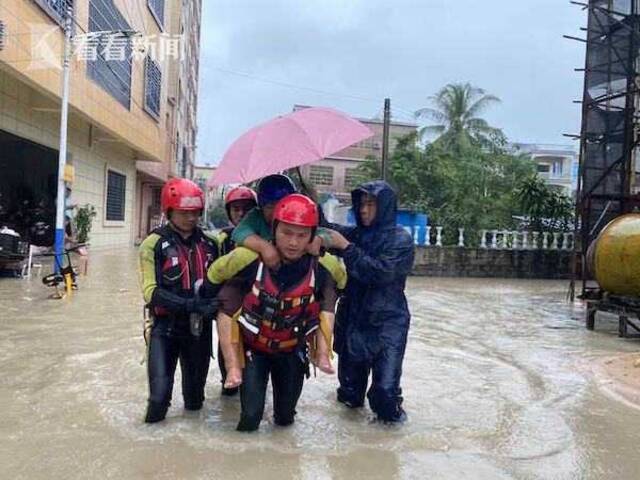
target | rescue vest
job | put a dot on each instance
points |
(274, 321)
(182, 266)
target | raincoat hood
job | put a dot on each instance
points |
(387, 204)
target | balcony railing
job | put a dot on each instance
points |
(56, 9)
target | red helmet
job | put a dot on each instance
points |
(297, 209)
(240, 193)
(181, 194)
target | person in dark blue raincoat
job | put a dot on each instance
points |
(372, 320)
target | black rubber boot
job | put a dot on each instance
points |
(248, 424)
(155, 412)
(398, 419)
(193, 407)
(229, 392)
(349, 402)
(283, 422)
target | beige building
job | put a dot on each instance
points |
(557, 165)
(337, 174)
(122, 116)
(180, 20)
(202, 173)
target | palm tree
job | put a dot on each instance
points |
(455, 109)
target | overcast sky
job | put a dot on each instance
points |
(261, 57)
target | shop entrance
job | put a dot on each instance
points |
(28, 186)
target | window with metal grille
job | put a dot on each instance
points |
(321, 175)
(155, 197)
(157, 10)
(56, 9)
(111, 68)
(152, 88)
(116, 196)
(351, 178)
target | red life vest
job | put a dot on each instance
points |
(182, 267)
(274, 321)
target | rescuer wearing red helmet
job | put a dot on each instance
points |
(269, 319)
(173, 261)
(238, 202)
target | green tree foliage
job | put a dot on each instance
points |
(467, 186)
(456, 110)
(468, 177)
(546, 209)
(84, 221)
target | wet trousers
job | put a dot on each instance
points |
(385, 394)
(287, 377)
(165, 349)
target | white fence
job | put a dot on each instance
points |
(499, 239)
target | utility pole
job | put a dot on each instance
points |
(385, 137)
(62, 159)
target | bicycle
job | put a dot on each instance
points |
(63, 275)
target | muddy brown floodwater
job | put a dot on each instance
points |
(496, 384)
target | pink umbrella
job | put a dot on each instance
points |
(287, 142)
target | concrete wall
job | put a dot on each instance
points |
(476, 262)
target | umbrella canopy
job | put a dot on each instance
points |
(287, 142)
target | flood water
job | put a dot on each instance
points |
(496, 385)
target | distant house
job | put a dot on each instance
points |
(202, 173)
(556, 164)
(337, 174)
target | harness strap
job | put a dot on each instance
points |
(254, 327)
(272, 344)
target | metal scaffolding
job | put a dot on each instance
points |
(608, 136)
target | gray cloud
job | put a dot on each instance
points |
(371, 49)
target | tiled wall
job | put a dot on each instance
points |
(27, 24)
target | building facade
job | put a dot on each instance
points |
(201, 174)
(557, 165)
(181, 25)
(337, 174)
(122, 124)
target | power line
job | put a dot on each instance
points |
(305, 88)
(291, 85)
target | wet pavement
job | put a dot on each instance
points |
(496, 384)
